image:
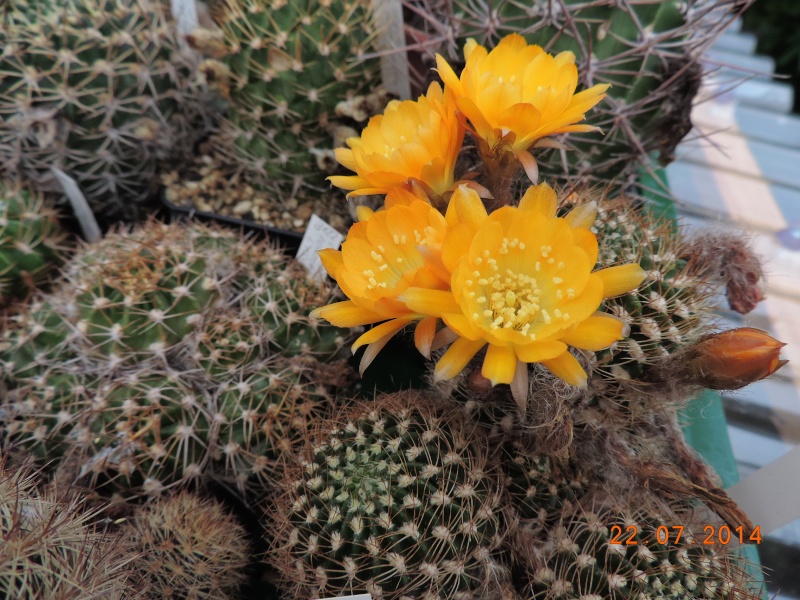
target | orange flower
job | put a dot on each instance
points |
(517, 94)
(411, 141)
(522, 282)
(385, 254)
(733, 359)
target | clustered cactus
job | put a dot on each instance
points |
(98, 89)
(155, 363)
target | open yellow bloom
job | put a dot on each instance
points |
(412, 140)
(522, 282)
(384, 254)
(518, 93)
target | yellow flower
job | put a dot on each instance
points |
(522, 282)
(517, 94)
(384, 254)
(411, 141)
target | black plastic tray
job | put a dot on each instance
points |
(288, 240)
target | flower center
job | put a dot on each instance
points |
(505, 296)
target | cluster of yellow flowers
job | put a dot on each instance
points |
(519, 279)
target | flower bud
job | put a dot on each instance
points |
(733, 359)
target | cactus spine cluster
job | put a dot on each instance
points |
(187, 547)
(394, 498)
(154, 363)
(31, 241)
(97, 89)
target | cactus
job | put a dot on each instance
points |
(50, 549)
(187, 547)
(158, 362)
(31, 241)
(98, 89)
(580, 560)
(648, 51)
(291, 63)
(397, 498)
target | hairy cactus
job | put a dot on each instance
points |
(98, 89)
(648, 51)
(187, 547)
(586, 558)
(156, 362)
(396, 497)
(50, 549)
(30, 241)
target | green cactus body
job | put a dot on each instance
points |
(394, 500)
(292, 62)
(30, 241)
(96, 89)
(147, 367)
(583, 562)
(646, 50)
(669, 310)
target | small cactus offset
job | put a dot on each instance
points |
(31, 241)
(50, 549)
(98, 89)
(396, 498)
(187, 547)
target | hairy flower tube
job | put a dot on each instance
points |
(384, 254)
(523, 284)
(411, 141)
(517, 94)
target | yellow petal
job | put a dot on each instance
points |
(379, 331)
(463, 326)
(621, 279)
(364, 213)
(500, 364)
(540, 351)
(372, 351)
(568, 368)
(586, 240)
(456, 358)
(331, 260)
(540, 199)
(433, 303)
(447, 74)
(424, 334)
(582, 216)
(346, 314)
(469, 207)
(595, 333)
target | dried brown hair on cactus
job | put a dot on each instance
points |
(187, 548)
(728, 258)
(49, 547)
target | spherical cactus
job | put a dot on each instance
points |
(291, 62)
(50, 549)
(669, 310)
(396, 497)
(187, 547)
(31, 241)
(99, 90)
(590, 557)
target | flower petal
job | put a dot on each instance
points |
(582, 216)
(424, 334)
(346, 314)
(621, 279)
(595, 333)
(540, 199)
(379, 331)
(433, 303)
(540, 351)
(456, 358)
(500, 364)
(469, 207)
(568, 368)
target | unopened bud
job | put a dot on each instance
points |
(733, 359)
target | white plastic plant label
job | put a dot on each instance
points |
(319, 235)
(356, 597)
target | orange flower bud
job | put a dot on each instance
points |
(733, 359)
